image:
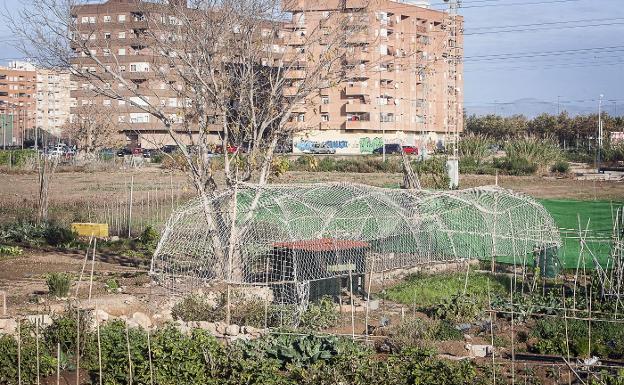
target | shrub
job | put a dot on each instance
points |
(57, 235)
(561, 167)
(58, 284)
(515, 166)
(320, 315)
(280, 166)
(197, 307)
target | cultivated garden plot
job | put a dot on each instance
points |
(441, 302)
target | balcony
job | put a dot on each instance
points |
(356, 90)
(324, 126)
(357, 124)
(357, 107)
(324, 108)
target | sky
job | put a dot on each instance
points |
(523, 56)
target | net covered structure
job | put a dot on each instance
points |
(308, 240)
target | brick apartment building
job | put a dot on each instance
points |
(400, 88)
(18, 87)
(53, 102)
(117, 30)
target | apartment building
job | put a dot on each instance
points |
(53, 102)
(404, 76)
(401, 84)
(117, 31)
(18, 85)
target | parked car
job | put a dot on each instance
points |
(123, 152)
(321, 148)
(391, 148)
(147, 153)
(410, 150)
(169, 148)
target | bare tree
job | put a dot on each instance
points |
(93, 128)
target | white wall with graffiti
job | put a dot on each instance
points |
(349, 143)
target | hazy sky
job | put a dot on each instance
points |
(586, 35)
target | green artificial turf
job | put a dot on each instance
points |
(569, 213)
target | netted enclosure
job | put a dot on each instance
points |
(305, 241)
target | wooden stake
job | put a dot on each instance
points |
(37, 346)
(4, 303)
(130, 206)
(129, 357)
(352, 305)
(92, 268)
(368, 293)
(58, 363)
(149, 357)
(84, 265)
(78, 346)
(19, 352)
(99, 343)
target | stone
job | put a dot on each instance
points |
(8, 325)
(208, 326)
(142, 319)
(221, 327)
(373, 304)
(479, 350)
(232, 330)
(114, 238)
(101, 316)
(467, 337)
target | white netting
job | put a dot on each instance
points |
(323, 237)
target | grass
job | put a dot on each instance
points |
(566, 214)
(422, 290)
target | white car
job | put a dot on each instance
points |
(321, 148)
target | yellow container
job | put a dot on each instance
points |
(99, 230)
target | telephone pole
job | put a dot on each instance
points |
(452, 89)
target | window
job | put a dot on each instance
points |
(121, 102)
(121, 119)
(173, 102)
(324, 99)
(121, 52)
(92, 36)
(121, 18)
(386, 117)
(122, 35)
(300, 117)
(107, 102)
(93, 52)
(85, 20)
(107, 35)
(139, 117)
(122, 68)
(324, 117)
(107, 19)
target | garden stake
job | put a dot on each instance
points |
(19, 352)
(99, 343)
(92, 268)
(149, 357)
(78, 346)
(84, 265)
(58, 363)
(129, 358)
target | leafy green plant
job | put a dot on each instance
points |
(112, 286)
(58, 235)
(10, 251)
(320, 315)
(58, 284)
(561, 167)
(301, 350)
(458, 308)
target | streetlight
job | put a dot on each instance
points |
(599, 130)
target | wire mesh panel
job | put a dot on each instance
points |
(293, 235)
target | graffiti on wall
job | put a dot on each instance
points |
(367, 145)
(363, 145)
(304, 145)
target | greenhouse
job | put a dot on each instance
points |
(317, 237)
